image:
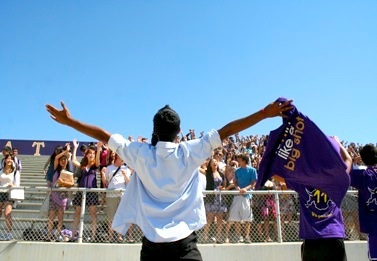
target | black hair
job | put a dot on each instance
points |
(166, 125)
(59, 168)
(83, 147)
(58, 149)
(369, 155)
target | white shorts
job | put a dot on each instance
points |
(240, 210)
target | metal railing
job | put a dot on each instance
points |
(275, 217)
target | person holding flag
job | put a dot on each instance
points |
(317, 167)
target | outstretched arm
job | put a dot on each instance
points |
(271, 110)
(344, 154)
(64, 117)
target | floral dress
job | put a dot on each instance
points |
(215, 203)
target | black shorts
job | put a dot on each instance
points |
(4, 197)
(323, 249)
(184, 249)
(91, 199)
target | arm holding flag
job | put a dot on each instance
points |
(271, 110)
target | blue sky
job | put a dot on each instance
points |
(115, 63)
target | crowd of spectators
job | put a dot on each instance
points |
(218, 174)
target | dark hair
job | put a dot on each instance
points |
(244, 157)
(166, 125)
(83, 147)
(84, 161)
(58, 149)
(7, 149)
(369, 155)
(59, 168)
(9, 156)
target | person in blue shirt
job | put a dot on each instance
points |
(240, 211)
(167, 196)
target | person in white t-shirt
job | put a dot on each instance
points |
(167, 201)
(9, 177)
(116, 175)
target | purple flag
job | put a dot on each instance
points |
(302, 154)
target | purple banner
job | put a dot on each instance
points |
(35, 147)
(303, 155)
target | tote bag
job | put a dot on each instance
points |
(17, 194)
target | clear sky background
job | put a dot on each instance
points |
(115, 63)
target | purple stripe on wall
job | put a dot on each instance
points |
(35, 147)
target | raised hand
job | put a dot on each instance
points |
(62, 116)
(276, 109)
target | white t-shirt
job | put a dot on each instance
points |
(11, 178)
(118, 181)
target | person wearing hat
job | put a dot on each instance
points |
(167, 196)
(365, 180)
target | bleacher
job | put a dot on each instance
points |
(27, 212)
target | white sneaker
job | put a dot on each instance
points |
(9, 236)
(247, 240)
(227, 240)
(240, 240)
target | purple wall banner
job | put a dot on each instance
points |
(36, 147)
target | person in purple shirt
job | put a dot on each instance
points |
(321, 221)
(365, 180)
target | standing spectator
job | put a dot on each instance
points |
(58, 199)
(219, 156)
(88, 167)
(17, 161)
(117, 176)
(287, 208)
(229, 184)
(365, 180)
(214, 203)
(5, 151)
(103, 159)
(9, 177)
(83, 149)
(240, 210)
(190, 135)
(18, 165)
(48, 168)
(165, 179)
(269, 211)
